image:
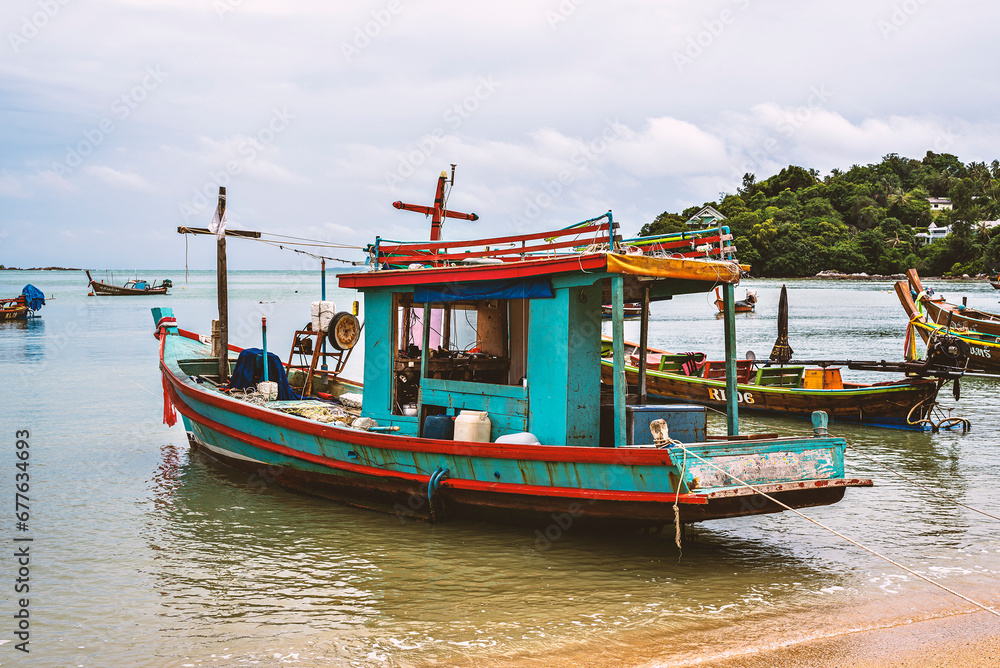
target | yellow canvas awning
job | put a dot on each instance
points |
(713, 271)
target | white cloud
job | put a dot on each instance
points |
(594, 104)
(117, 179)
(11, 186)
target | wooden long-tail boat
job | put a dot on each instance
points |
(745, 305)
(976, 334)
(132, 288)
(534, 454)
(23, 306)
(792, 390)
(959, 318)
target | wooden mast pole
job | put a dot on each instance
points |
(223, 290)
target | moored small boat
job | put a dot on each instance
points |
(976, 332)
(508, 426)
(23, 306)
(133, 287)
(745, 305)
(793, 390)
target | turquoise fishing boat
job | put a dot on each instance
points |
(480, 398)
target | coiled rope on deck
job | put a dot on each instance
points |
(840, 535)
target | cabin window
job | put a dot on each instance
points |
(481, 341)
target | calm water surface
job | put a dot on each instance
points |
(144, 555)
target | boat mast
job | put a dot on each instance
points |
(438, 212)
(223, 292)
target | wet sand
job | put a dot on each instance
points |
(967, 640)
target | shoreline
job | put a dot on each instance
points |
(966, 640)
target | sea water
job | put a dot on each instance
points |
(144, 554)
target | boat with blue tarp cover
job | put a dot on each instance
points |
(509, 351)
(23, 306)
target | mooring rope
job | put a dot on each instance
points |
(677, 508)
(922, 486)
(849, 540)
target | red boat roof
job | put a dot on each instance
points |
(709, 271)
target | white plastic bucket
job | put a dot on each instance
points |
(473, 426)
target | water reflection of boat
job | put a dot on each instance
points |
(133, 287)
(512, 432)
(23, 306)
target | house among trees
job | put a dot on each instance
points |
(939, 203)
(709, 216)
(933, 233)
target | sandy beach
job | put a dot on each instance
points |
(967, 640)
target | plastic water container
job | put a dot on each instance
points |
(322, 314)
(439, 426)
(473, 426)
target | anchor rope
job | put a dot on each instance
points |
(677, 508)
(849, 540)
(922, 486)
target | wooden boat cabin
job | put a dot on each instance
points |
(517, 338)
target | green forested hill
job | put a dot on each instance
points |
(796, 223)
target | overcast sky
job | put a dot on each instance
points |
(119, 119)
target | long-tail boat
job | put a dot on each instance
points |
(23, 306)
(132, 287)
(793, 390)
(531, 449)
(745, 305)
(976, 334)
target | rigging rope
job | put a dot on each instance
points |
(840, 535)
(911, 480)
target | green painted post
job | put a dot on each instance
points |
(732, 412)
(618, 347)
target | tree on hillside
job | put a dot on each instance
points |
(665, 223)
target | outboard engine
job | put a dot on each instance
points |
(947, 350)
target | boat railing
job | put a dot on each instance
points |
(503, 249)
(697, 243)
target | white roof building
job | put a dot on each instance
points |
(709, 216)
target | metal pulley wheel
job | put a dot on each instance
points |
(344, 331)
